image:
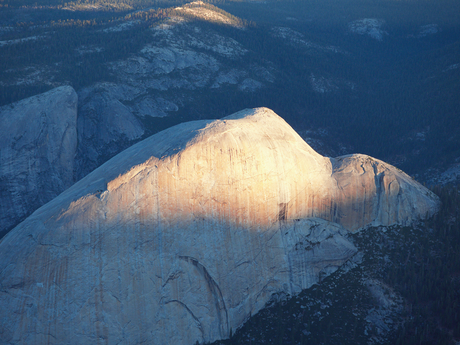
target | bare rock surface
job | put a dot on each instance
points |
(106, 125)
(198, 9)
(372, 192)
(185, 235)
(37, 149)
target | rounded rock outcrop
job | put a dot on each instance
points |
(37, 149)
(183, 236)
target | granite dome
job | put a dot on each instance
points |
(183, 236)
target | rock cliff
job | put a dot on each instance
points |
(105, 126)
(37, 149)
(185, 235)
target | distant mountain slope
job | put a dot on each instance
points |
(166, 62)
(38, 144)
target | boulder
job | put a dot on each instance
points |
(185, 235)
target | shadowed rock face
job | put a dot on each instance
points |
(183, 236)
(105, 126)
(37, 149)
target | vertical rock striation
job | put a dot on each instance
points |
(105, 125)
(183, 236)
(371, 192)
(37, 149)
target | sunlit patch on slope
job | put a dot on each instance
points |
(209, 13)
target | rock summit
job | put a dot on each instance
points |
(185, 235)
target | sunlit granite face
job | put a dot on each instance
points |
(184, 235)
(248, 170)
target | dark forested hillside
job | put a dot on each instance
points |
(405, 290)
(394, 96)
